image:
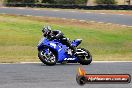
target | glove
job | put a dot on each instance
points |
(52, 37)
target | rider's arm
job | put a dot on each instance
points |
(58, 34)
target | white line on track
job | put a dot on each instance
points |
(102, 13)
(21, 8)
(73, 19)
(92, 21)
(71, 63)
(28, 15)
(120, 14)
(72, 11)
(36, 9)
(56, 10)
(62, 10)
(29, 62)
(92, 62)
(82, 20)
(63, 18)
(124, 25)
(101, 22)
(110, 61)
(109, 23)
(3, 13)
(4, 7)
(129, 26)
(88, 12)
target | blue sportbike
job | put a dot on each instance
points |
(51, 52)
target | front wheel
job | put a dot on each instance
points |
(47, 56)
(85, 58)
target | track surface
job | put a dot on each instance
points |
(107, 18)
(38, 75)
(61, 76)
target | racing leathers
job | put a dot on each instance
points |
(56, 34)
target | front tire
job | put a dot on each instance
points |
(85, 59)
(48, 59)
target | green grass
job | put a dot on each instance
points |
(19, 37)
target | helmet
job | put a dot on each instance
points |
(46, 30)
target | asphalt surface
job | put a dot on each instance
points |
(62, 76)
(107, 18)
(37, 75)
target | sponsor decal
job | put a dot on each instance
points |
(52, 44)
(69, 59)
(83, 78)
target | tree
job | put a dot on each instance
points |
(108, 2)
(20, 1)
(81, 2)
(64, 1)
(48, 1)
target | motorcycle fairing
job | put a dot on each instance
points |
(57, 47)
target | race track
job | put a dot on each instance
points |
(106, 18)
(37, 75)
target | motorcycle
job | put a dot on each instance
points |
(51, 52)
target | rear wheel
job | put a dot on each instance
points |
(85, 58)
(47, 56)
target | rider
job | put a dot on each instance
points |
(56, 34)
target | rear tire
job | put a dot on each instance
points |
(85, 59)
(49, 60)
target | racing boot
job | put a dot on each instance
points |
(71, 51)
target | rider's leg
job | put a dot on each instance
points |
(66, 42)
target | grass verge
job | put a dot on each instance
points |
(19, 36)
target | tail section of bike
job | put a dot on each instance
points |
(76, 42)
